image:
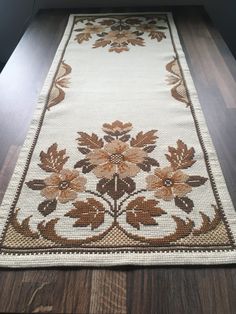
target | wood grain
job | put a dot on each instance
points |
(131, 290)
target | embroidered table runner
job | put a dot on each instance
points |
(118, 166)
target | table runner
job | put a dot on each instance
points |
(118, 166)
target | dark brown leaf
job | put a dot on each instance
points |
(141, 212)
(85, 165)
(196, 181)
(81, 37)
(149, 149)
(36, 184)
(157, 35)
(53, 160)
(108, 138)
(125, 138)
(116, 187)
(47, 207)
(89, 212)
(143, 139)
(90, 141)
(147, 163)
(84, 150)
(180, 157)
(184, 203)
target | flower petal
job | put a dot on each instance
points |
(98, 156)
(135, 155)
(180, 176)
(164, 193)
(116, 147)
(53, 180)
(127, 169)
(50, 192)
(66, 196)
(181, 189)
(105, 171)
(153, 182)
(163, 173)
(78, 184)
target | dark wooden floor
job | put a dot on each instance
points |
(131, 290)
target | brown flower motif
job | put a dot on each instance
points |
(168, 183)
(118, 37)
(117, 128)
(146, 27)
(63, 185)
(116, 157)
(94, 29)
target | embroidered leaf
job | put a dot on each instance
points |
(85, 165)
(180, 157)
(157, 35)
(125, 138)
(84, 150)
(143, 139)
(116, 187)
(136, 41)
(184, 203)
(36, 184)
(107, 22)
(91, 141)
(133, 21)
(101, 43)
(53, 160)
(47, 207)
(89, 212)
(207, 223)
(147, 163)
(149, 149)
(108, 138)
(196, 181)
(24, 226)
(141, 212)
(81, 37)
(57, 94)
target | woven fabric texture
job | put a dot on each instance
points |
(118, 166)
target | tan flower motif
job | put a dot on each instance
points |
(63, 186)
(116, 157)
(168, 183)
(117, 128)
(94, 29)
(117, 37)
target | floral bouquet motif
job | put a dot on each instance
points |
(115, 160)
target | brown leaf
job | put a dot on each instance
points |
(157, 35)
(101, 43)
(23, 227)
(133, 21)
(90, 141)
(107, 22)
(147, 163)
(143, 139)
(84, 150)
(57, 94)
(53, 160)
(47, 207)
(116, 187)
(81, 37)
(89, 212)
(141, 212)
(208, 224)
(125, 138)
(85, 165)
(149, 149)
(196, 181)
(36, 184)
(180, 157)
(136, 41)
(184, 203)
(108, 138)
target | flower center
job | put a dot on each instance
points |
(116, 158)
(63, 185)
(168, 182)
